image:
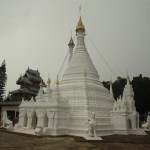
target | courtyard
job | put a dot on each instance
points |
(9, 141)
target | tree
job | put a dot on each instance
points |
(117, 86)
(106, 84)
(141, 87)
(3, 79)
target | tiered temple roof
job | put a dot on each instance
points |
(29, 86)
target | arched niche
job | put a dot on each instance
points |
(34, 120)
(45, 123)
(25, 120)
(129, 123)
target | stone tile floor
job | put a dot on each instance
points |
(10, 141)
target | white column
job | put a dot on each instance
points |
(29, 115)
(40, 117)
(21, 117)
(51, 119)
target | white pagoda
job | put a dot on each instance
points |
(79, 105)
(85, 92)
(124, 116)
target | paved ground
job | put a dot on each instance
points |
(10, 141)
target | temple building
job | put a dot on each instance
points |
(79, 105)
(29, 87)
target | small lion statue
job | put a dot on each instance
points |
(92, 125)
(6, 123)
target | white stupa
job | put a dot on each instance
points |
(124, 116)
(79, 105)
(85, 92)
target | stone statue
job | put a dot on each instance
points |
(6, 123)
(92, 126)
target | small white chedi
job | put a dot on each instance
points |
(124, 116)
(79, 105)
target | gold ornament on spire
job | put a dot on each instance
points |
(71, 43)
(80, 26)
(49, 81)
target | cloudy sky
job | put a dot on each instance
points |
(35, 33)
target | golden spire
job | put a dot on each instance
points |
(71, 43)
(80, 26)
(49, 81)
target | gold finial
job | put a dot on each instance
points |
(57, 82)
(80, 26)
(85, 73)
(49, 81)
(71, 43)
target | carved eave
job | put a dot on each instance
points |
(33, 78)
(23, 91)
(23, 80)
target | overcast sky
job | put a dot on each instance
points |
(35, 33)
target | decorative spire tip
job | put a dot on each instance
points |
(71, 43)
(80, 26)
(49, 81)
